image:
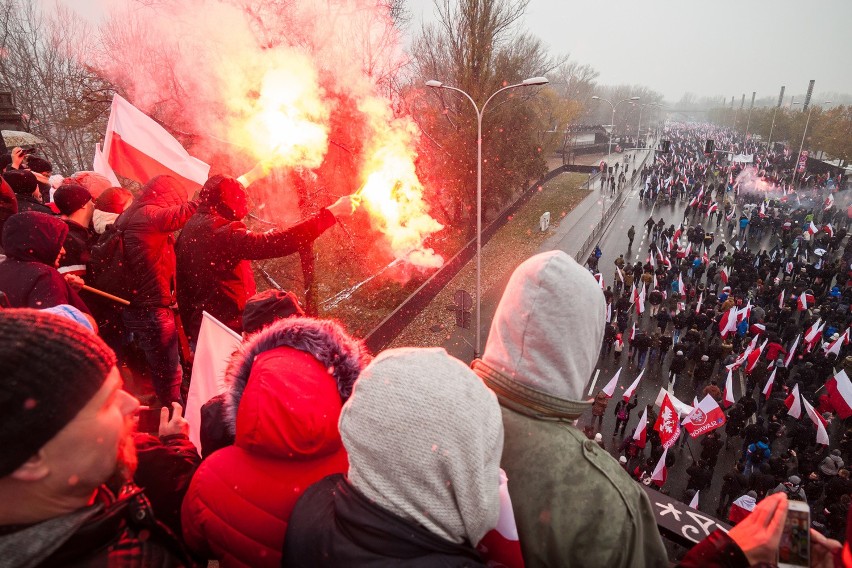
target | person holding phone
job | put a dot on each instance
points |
(767, 537)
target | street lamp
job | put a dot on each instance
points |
(771, 128)
(802, 145)
(531, 82)
(639, 124)
(597, 98)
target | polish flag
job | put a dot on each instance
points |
(609, 312)
(668, 424)
(705, 417)
(728, 398)
(599, 278)
(819, 422)
(655, 282)
(767, 388)
(700, 301)
(834, 346)
(609, 389)
(805, 300)
(723, 275)
(757, 328)
(728, 322)
(762, 211)
(840, 392)
(632, 388)
(640, 302)
(741, 508)
(688, 250)
(677, 233)
(651, 260)
(730, 216)
(812, 229)
(829, 229)
(745, 313)
(503, 542)
(829, 202)
(667, 262)
(216, 343)
(101, 166)
(813, 332)
(633, 333)
(669, 244)
(781, 299)
(641, 433)
(793, 402)
(815, 340)
(754, 356)
(704, 258)
(712, 209)
(792, 351)
(681, 289)
(620, 274)
(138, 148)
(694, 503)
(660, 472)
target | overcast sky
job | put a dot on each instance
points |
(708, 47)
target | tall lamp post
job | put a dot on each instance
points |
(614, 106)
(639, 124)
(771, 128)
(802, 145)
(531, 82)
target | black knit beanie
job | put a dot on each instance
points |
(50, 368)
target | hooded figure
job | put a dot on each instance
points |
(574, 505)
(27, 192)
(287, 385)
(148, 226)
(215, 247)
(28, 276)
(424, 438)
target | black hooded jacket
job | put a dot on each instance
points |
(148, 225)
(334, 525)
(28, 277)
(213, 272)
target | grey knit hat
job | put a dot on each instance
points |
(50, 367)
(424, 437)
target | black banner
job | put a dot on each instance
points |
(679, 522)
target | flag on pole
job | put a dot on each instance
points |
(754, 356)
(138, 148)
(741, 508)
(667, 423)
(792, 351)
(632, 388)
(837, 344)
(712, 209)
(767, 388)
(641, 432)
(728, 398)
(745, 313)
(705, 417)
(723, 275)
(633, 332)
(620, 274)
(694, 503)
(812, 229)
(700, 301)
(816, 337)
(681, 289)
(728, 322)
(599, 278)
(216, 343)
(781, 299)
(829, 202)
(101, 166)
(609, 389)
(828, 229)
(819, 422)
(660, 472)
(813, 332)
(793, 402)
(609, 312)
(640, 302)
(805, 300)
(839, 390)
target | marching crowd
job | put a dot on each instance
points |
(319, 453)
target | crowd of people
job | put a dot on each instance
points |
(751, 282)
(319, 453)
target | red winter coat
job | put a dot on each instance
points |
(239, 502)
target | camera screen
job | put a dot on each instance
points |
(795, 542)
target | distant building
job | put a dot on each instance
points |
(10, 118)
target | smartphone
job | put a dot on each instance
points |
(149, 420)
(795, 548)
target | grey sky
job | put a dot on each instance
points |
(711, 47)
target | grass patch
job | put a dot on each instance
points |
(516, 241)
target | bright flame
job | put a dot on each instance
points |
(288, 123)
(392, 194)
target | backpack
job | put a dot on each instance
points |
(108, 269)
(622, 412)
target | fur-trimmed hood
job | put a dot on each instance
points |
(336, 354)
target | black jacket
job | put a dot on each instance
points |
(27, 276)
(148, 225)
(334, 525)
(213, 272)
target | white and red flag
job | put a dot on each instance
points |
(681, 289)
(812, 229)
(640, 302)
(792, 352)
(805, 300)
(767, 388)
(609, 389)
(620, 274)
(632, 388)
(837, 344)
(700, 301)
(694, 503)
(839, 389)
(138, 148)
(728, 322)
(742, 507)
(705, 417)
(744, 313)
(640, 435)
(661, 472)
(754, 356)
(828, 229)
(723, 275)
(101, 166)
(829, 202)
(728, 396)
(599, 278)
(813, 332)
(793, 402)
(819, 422)
(667, 423)
(757, 328)
(633, 332)
(781, 299)
(713, 208)
(815, 337)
